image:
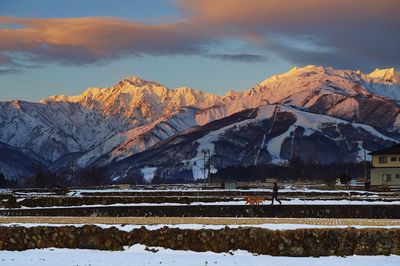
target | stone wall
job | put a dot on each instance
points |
(300, 242)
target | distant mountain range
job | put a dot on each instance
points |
(139, 128)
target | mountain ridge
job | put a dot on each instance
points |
(106, 125)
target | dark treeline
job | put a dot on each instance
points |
(5, 183)
(44, 178)
(295, 170)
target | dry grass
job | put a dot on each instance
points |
(198, 220)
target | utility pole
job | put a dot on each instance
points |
(365, 164)
(206, 164)
(209, 167)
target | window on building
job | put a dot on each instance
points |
(393, 159)
(397, 175)
(386, 177)
(382, 159)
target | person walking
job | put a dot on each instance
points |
(275, 190)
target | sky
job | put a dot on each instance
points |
(50, 47)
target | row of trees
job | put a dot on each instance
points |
(5, 183)
(43, 178)
(294, 170)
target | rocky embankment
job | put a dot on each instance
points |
(300, 242)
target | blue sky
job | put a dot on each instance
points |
(63, 47)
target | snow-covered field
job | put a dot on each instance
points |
(237, 202)
(189, 189)
(138, 255)
(271, 226)
(77, 192)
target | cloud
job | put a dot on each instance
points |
(251, 58)
(94, 39)
(341, 33)
(10, 71)
(5, 60)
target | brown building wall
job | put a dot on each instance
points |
(391, 160)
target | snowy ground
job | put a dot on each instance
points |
(236, 202)
(286, 189)
(271, 226)
(138, 255)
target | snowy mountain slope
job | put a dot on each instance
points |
(330, 81)
(388, 76)
(344, 94)
(148, 111)
(137, 99)
(173, 152)
(15, 163)
(385, 82)
(97, 120)
(53, 129)
(141, 138)
(106, 125)
(268, 134)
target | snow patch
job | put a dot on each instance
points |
(148, 173)
(139, 255)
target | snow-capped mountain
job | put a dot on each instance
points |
(97, 120)
(388, 76)
(112, 126)
(268, 134)
(137, 100)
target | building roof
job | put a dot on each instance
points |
(390, 150)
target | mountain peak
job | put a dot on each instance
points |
(295, 71)
(136, 82)
(386, 75)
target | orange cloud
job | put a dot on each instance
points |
(87, 40)
(341, 33)
(288, 13)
